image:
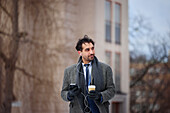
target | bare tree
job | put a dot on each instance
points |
(12, 39)
(150, 76)
(10, 60)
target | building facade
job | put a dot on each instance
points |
(106, 21)
(53, 28)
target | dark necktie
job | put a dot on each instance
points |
(87, 75)
(92, 104)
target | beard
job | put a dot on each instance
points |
(88, 58)
(91, 56)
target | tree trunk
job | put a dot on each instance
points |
(9, 89)
(1, 90)
(10, 64)
(1, 78)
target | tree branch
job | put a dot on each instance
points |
(20, 34)
(159, 93)
(33, 76)
(5, 10)
(3, 33)
(27, 74)
(142, 75)
(152, 63)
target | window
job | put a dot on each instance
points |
(108, 21)
(108, 55)
(117, 71)
(117, 23)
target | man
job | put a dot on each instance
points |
(88, 71)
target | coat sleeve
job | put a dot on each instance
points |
(109, 91)
(65, 86)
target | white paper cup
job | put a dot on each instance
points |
(72, 85)
(91, 88)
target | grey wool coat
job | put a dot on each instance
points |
(107, 90)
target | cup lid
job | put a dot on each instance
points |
(91, 86)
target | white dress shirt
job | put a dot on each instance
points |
(90, 69)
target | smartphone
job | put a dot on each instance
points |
(72, 85)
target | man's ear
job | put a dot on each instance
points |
(79, 52)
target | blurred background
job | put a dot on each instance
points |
(149, 37)
(38, 38)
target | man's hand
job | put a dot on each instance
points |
(73, 92)
(94, 95)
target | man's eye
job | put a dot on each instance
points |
(86, 49)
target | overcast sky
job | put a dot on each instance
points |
(157, 12)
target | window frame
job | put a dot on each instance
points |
(118, 40)
(120, 74)
(108, 51)
(110, 21)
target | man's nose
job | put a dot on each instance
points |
(91, 51)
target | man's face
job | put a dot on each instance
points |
(87, 52)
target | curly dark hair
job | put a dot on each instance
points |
(85, 39)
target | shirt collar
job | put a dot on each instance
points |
(88, 63)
